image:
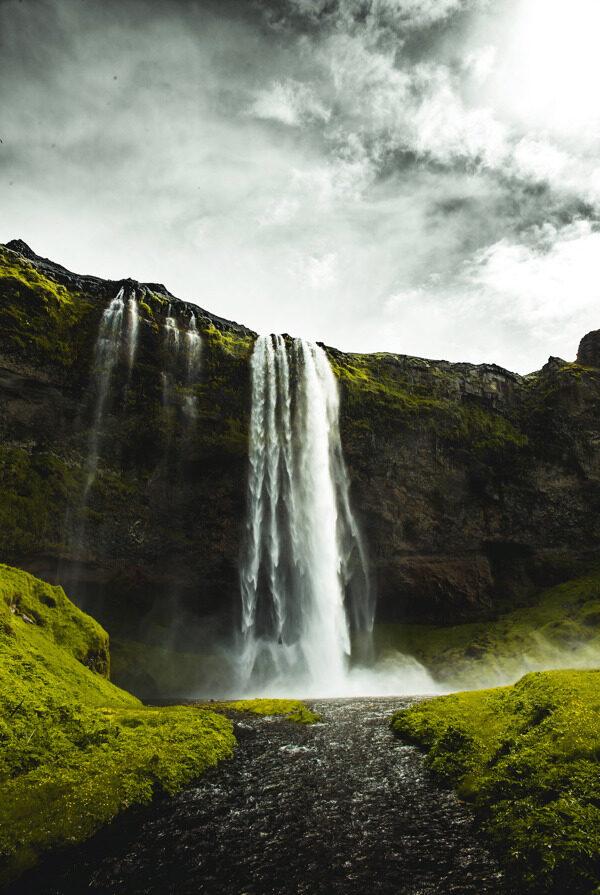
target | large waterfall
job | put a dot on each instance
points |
(303, 572)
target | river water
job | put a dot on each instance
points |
(339, 807)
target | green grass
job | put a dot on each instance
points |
(527, 758)
(562, 629)
(292, 709)
(75, 749)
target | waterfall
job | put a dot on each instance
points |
(303, 548)
(134, 326)
(106, 356)
(172, 347)
(183, 349)
(193, 348)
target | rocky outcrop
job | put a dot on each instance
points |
(474, 485)
(588, 354)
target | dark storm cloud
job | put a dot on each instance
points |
(341, 170)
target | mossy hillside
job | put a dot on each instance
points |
(40, 319)
(526, 758)
(47, 612)
(561, 628)
(76, 750)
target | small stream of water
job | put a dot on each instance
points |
(340, 807)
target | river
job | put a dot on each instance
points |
(339, 807)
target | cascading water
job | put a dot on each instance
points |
(134, 327)
(106, 355)
(172, 340)
(303, 549)
(193, 348)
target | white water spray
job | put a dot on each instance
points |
(303, 544)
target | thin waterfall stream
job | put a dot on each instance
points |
(106, 357)
(118, 333)
(193, 350)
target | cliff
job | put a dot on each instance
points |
(474, 485)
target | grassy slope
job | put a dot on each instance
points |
(562, 629)
(527, 758)
(75, 749)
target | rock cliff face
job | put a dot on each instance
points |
(473, 485)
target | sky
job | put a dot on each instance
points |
(413, 176)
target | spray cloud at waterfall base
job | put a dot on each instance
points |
(304, 571)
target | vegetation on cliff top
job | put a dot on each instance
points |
(526, 758)
(41, 319)
(76, 749)
(383, 392)
(561, 629)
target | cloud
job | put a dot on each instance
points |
(289, 102)
(344, 171)
(547, 284)
(519, 302)
(400, 15)
(479, 63)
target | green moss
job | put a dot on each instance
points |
(527, 758)
(237, 344)
(52, 616)
(76, 750)
(292, 709)
(382, 393)
(486, 432)
(303, 715)
(41, 319)
(561, 629)
(34, 495)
